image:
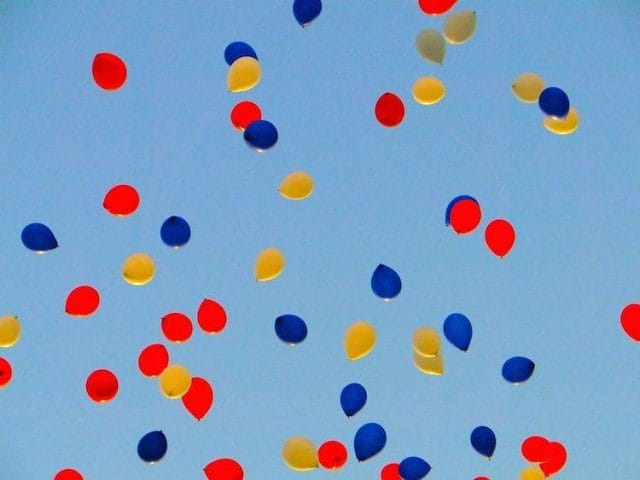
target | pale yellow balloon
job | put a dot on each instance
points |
(9, 331)
(527, 87)
(269, 264)
(459, 27)
(299, 453)
(428, 90)
(429, 365)
(296, 186)
(174, 381)
(426, 342)
(138, 269)
(244, 74)
(431, 45)
(532, 473)
(359, 340)
(563, 126)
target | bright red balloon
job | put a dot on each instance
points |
(244, 113)
(391, 471)
(630, 320)
(177, 327)
(153, 359)
(436, 7)
(332, 455)
(199, 398)
(465, 216)
(557, 455)
(5, 372)
(102, 386)
(389, 109)
(82, 301)
(224, 469)
(500, 237)
(482, 478)
(121, 200)
(211, 316)
(68, 474)
(534, 449)
(109, 71)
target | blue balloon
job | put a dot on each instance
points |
(352, 399)
(175, 231)
(447, 213)
(414, 468)
(290, 328)
(553, 101)
(261, 135)
(517, 369)
(385, 282)
(483, 440)
(306, 11)
(458, 331)
(152, 446)
(236, 50)
(369, 441)
(38, 237)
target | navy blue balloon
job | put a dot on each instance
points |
(38, 237)
(385, 282)
(414, 468)
(553, 101)
(236, 50)
(306, 11)
(483, 440)
(175, 231)
(152, 446)
(290, 328)
(369, 440)
(261, 135)
(447, 213)
(352, 399)
(458, 331)
(517, 369)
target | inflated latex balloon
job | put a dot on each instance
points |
(332, 455)
(82, 301)
(535, 449)
(563, 126)
(452, 203)
(369, 440)
(557, 458)
(428, 90)
(153, 359)
(174, 381)
(306, 11)
(429, 365)
(532, 472)
(290, 328)
(261, 135)
(630, 320)
(385, 282)
(500, 236)
(482, 478)
(175, 232)
(389, 109)
(458, 331)
(296, 186)
(121, 200)
(483, 440)
(359, 340)
(138, 269)
(109, 71)
(391, 471)
(431, 45)
(413, 468)
(527, 87)
(152, 446)
(426, 342)
(243, 75)
(38, 238)
(10, 330)
(436, 7)
(299, 453)
(459, 27)
(102, 386)
(245, 113)
(236, 50)
(176, 327)
(517, 369)
(199, 398)
(465, 216)
(224, 469)
(352, 398)
(68, 474)
(554, 101)
(5, 372)
(269, 264)
(212, 317)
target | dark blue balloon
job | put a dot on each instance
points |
(175, 231)
(517, 369)
(261, 135)
(152, 446)
(290, 328)
(38, 237)
(236, 50)
(458, 331)
(553, 101)
(483, 440)
(369, 440)
(385, 282)
(414, 468)
(352, 399)
(447, 213)
(306, 11)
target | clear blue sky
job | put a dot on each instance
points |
(380, 198)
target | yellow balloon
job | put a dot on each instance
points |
(527, 87)
(244, 74)
(532, 473)
(297, 186)
(429, 365)
(563, 126)
(359, 340)
(431, 45)
(269, 264)
(459, 27)
(174, 381)
(138, 269)
(426, 342)
(9, 331)
(299, 453)
(428, 90)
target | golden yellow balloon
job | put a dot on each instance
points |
(527, 87)
(296, 186)
(563, 126)
(426, 342)
(9, 331)
(138, 269)
(428, 90)
(532, 473)
(459, 27)
(359, 340)
(244, 74)
(299, 453)
(174, 381)
(269, 264)
(429, 365)
(431, 45)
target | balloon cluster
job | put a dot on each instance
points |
(547, 457)
(10, 330)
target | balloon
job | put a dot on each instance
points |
(10, 330)
(629, 320)
(101, 386)
(332, 455)
(359, 340)
(517, 369)
(483, 440)
(458, 331)
(532, 473)
(527, 87)
(389, 109)
(436, 7)
(244, 113)
(429, 365)
(174, 381)
(557, 459)
(385, 282)
(5, 372)
(299, 453)
(175, 232)
(269, 264)
(500, 236)
(391, 471)
(352, 398)
(199, 398)
(465, 216)
(138, 269)
(121, 200)
(369, 440)
(68, 474)
(224, 469)
(563, 126)
(553, 101)
(244, 74)
(426, 342)
(452, 203)
(39, 238)
(211, 316)
(152, 446)
(290, 329)
(535, 449)
(414, 468)
(431, 45)
(109, 71)
(459, 27)
(153, 359)
(261, 135)
(306, 11)
(176, 327)
(482, 478)
(296, 186)
(428, 90)
(236, 50)
(82, 301)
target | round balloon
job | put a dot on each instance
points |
(82, 301)
(500, 236)
(245, 113)
(244, 74)
(199, 398)
(299, 453)
(269, 264)
(138, 269)
(517, 369)
(413, 468)
(176, 327)
(532, 472)
(152, 446)
(224, 469)
(68, 474)
(452, 203)
(391, 471)
(261, 135)
(483, 440)
(554, 101)
(527, 87)
(629, 320)
(5, 372)
(174, 381)
(431, 45)
(290, 328)
(385, 282)
(465, 216)
(212, 317)
(332, 455)
(109, 71)
(429, 365)
(557, 458)
(563, 126)
(436, 7)
(459, 27)
(175, 232)
(428, 90)
(352, 398)
(369, 440)
(389, 109)
(121, 200)
(102, 386)
(296, 186)
(305, 11)
(10, 330)
(236, 50)
(458, 331)
(535, 449)
(426, 342)
(153, 359)
(38, 238)
(359, 340)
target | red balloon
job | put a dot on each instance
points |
(436, 7)
(153, 359)
(82, 301)
(465, 216)
(245, 113)
(101, 386)
(224, 469)
(176, 327)
(109, 71)
(211, 316)
(5, 372)
(199, 398)
(121, 200)
(389, 109)
(482, 478)
(534, 449)
(68, 474)
(500, 237)
(630, 320)
(391, 471)
(557, 455)
(332, 455)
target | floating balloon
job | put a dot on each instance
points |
(452, 203)
(245, 113)
(5, 372)
(352, 398)
(299, 453)
(9, 331)
(359, 340)
(121, 200)
(306, 11)
(500, 236)
(224, 469)
(212, 317)
(102, 386)
(296, 186)
(152, 446)
(174, 381)
(459, 27)
(483, 440)
(369, 440)
(199, 398)
(458, 331)
(465, 216)
(413, 468)
(517, 369)
(244, 74)
(532, 473)
(175, 232)
(269, 264)
(138, 269)
(82, 301)
(482, 478)
(429, 365)
(68, 474)
(535, 449)
(563, 126)
(428, 90)
(176, 327)
(261, 135)
(391, 471)
(332, 455)
(426, 342)
(236, 50)
(153, 359)
(290, 329)
(527, 87)
(554, 101)
(38, 238)
(389, 109)
(431, 45)
(557, 459)
(385, 282)
(436, 7)
(109, 71)
(630, 320)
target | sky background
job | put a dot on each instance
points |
(380, 197)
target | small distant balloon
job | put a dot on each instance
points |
(458, 331)
(431, 45)
(389, 109)
(352, 398)
(212, 317)
(82, 301)
(554, 101)
(121, 200)
(517, 369)
(269, 264)
(10, 330)
(176, 327)
(261, 135)
(557, 458)
(102, 386)
(109, 71)
(290, 328)
(426, 342)
(38, 238)
(629, 321)
(244, 113)
(413, 468)
(199, 398)
(385, 282)
(465, 216)
(482, 478)
(332, 455)
(563, 126)
(152, 446)
(369, 440)
(153, 359)
(175, 232)
(452, 203)
(500, 236)
(138, 269)
(429, 365)
(296, 186)
(236, 50)
(5, 372)
(391, 471)
(174, 381)
(299, 453)
(428, 90)
(459, 27)
(68, 474)
(224, 469)
(483, 440)
(305, 11)
(527, 87)
(436, 7)
(535, 449)
(243, 74)
(359, 340)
